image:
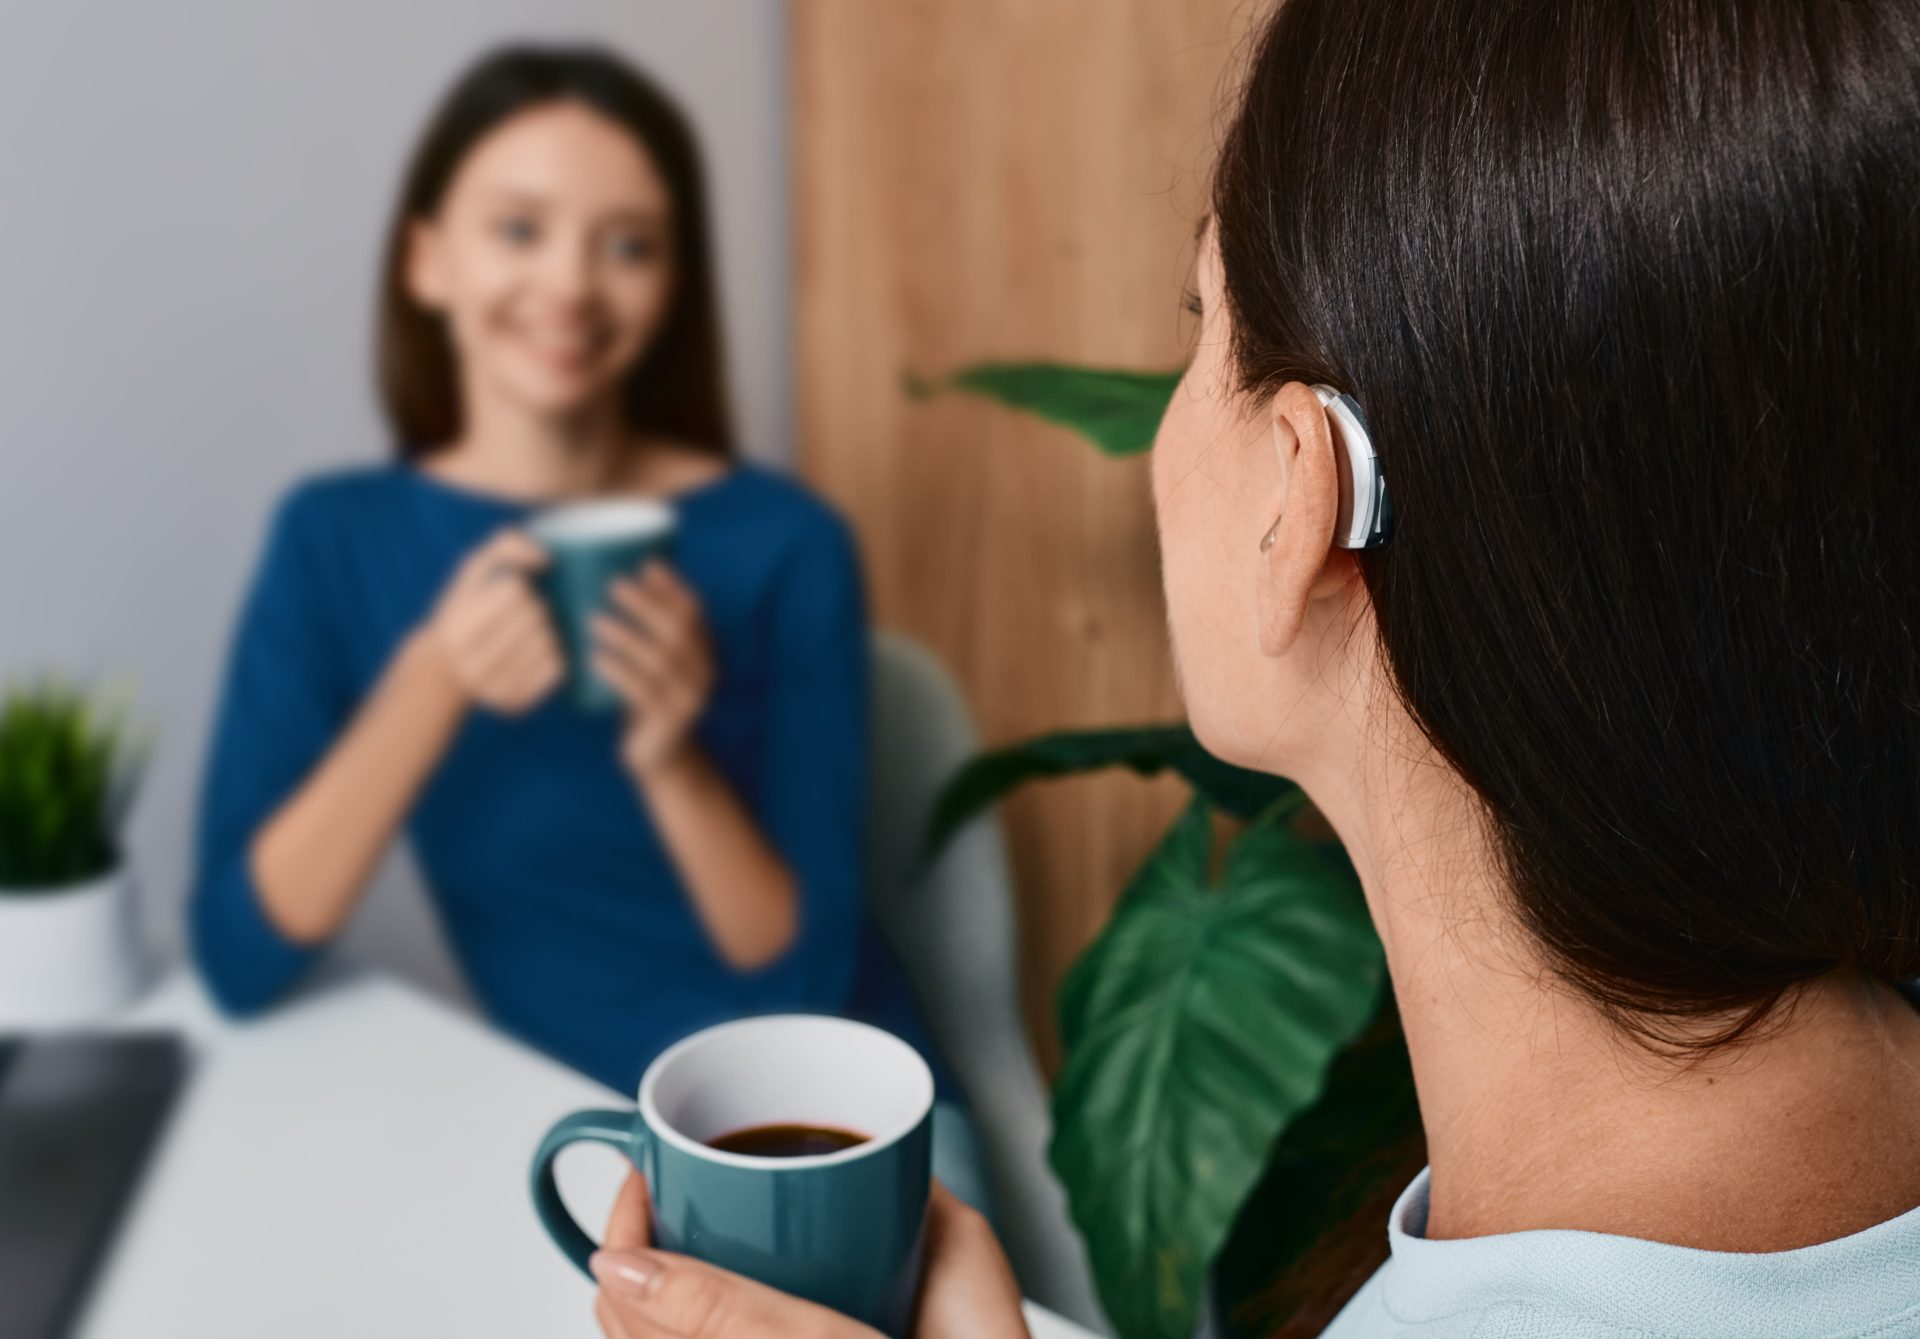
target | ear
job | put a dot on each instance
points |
(1301, 564)
(424, 270)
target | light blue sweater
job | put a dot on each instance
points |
(1586, 1285)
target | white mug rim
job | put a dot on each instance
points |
(881, 1140)
(626, 518)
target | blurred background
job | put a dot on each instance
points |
(193, 198)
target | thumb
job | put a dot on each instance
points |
(631, 1223)
(697, 1301)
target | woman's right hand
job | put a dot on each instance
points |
(967, 1291)
(492, 632)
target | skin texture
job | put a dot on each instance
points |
(968, 1292)
(1538, 1113)
(552, 261)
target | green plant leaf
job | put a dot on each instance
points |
(1352, 1150)
(1196, 1027)
(1116, 409)
(63, 765)
(1147, 749)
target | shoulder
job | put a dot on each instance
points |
(320, 517)
(789, 521)
(323, 501)
(345, 491)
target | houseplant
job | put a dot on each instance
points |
(1232, 1055)
(69, 940)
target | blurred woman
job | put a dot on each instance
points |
(1621, 723)
(549, 333)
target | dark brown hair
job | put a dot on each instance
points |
(677, 389)
(1630, 294)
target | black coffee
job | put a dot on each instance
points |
(786, 1141)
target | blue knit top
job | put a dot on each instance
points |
(555, 891)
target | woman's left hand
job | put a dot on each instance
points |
(653, 650)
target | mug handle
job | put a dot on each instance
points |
(615, 1129)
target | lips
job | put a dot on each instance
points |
(565, 349)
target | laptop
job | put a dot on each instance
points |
(79, 1114)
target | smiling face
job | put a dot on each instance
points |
(551, 258)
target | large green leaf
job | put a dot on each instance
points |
(1146, 749)
(1196, 1027)
(1117, 410)
(1326, 1188)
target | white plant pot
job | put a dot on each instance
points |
(69, 955)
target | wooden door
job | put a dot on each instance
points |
(1007, 179)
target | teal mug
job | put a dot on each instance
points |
(841, 1228)
(589, 546)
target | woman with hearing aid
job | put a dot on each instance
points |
(683, 841)
(1540, 497)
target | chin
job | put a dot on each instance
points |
(558, 395)
(1224, 738)
(1211, 713)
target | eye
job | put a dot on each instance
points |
(1190, 299)
(517, 231)
(633, 248)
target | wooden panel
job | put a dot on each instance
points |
(1007, 179)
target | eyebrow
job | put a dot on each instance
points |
(517, 196)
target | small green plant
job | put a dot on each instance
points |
(67, 773)
(1230, 1029)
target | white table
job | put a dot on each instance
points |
(354, 1163)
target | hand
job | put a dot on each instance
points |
(968, 1291)
(654, 652)
(491, 631)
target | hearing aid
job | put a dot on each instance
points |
(1365, 519)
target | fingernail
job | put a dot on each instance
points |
(633, 1273)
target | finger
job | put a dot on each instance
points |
(498, 646)
(968, 1288)
(677, 593)
(697, 1301)
(612, 1324)
(631, 1222)
(655, 616)
(675, 629)
(527, 679)
(620, 639)
(637, 692)
(510, 552)
(482, 608)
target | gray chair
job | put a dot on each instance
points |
(952, 926)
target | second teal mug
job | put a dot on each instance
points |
(590, 545)
(843, 1229)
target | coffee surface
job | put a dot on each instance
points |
(787, 1141)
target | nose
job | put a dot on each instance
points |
(568, 271)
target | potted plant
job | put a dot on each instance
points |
(69, 935)
(1233, 1058)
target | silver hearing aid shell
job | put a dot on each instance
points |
(1365, 520)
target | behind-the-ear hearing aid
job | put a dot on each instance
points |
(1366, 519)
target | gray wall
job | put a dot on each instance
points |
(191, 196)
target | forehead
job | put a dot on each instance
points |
(564, 153)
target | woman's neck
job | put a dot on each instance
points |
(537, 458)
(1540, 1114)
